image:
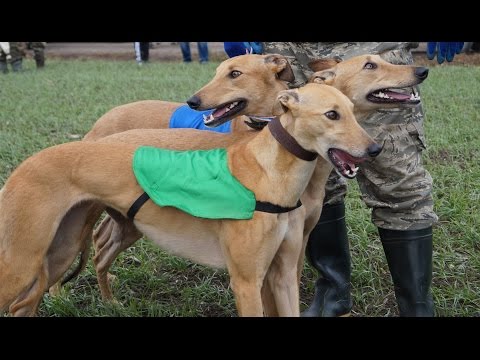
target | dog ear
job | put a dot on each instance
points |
(280, 66)
(322, 77)
(324, 64)
(286, 99)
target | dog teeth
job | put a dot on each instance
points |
(382, 95)
(414, 96)
(207, 119)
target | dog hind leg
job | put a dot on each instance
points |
(114, 236)
(27, 303)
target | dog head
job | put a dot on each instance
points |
(243, 85)
(370, 82)
(323, 122)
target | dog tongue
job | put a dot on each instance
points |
(347, 158)
(397, 96)
(219, 112)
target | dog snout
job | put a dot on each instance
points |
(421, 73)
(374, 149)
(194, 102)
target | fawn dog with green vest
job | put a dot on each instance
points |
(37, 243)
(353, 77)
(247, 99)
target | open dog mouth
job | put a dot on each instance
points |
(224, 112)
(345, 163)
(394, 95)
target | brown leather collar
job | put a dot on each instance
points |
(288, 142)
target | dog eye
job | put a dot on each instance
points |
(370, 66)
(235, 73)
(332, 115)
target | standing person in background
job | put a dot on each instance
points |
(396, 186)
(202, 52)
(16, 51)
(142, 52)
(38, 52)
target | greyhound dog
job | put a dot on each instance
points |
(273, 168)
(234, 96)
(254, 93)
(355, 77)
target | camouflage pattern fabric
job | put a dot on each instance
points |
(395, 184)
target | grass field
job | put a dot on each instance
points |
(61, 103)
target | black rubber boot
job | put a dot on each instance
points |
(409, 257)
(328, 252)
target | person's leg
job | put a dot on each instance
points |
(138, 54)
(144, 51)
(4, 57)
(203, 51)
(3, 63)
(17, 51)
(185, 47)
(38, 53)
(328, 252)
(399, 190)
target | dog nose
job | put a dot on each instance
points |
(194, 102)
(421, 72)
(374, 149)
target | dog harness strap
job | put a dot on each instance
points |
(288, 141)
(142, 199)
(259, 206)
(274, 209)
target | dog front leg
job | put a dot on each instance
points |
(249, 249)
(268, 300)
(247, 296)
(282, 276)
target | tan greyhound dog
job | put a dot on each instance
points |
(253, 93)
(275, 165)
(354, 77)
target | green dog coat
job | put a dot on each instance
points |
(197, 182)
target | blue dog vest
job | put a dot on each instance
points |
(186, 118)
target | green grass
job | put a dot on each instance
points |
(40, 109)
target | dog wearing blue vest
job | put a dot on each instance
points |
(49, 190)
(251, 95)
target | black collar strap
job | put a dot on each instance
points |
(288, 141)
(258, 122)
(259, 206)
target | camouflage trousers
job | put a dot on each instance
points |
(395, 184)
